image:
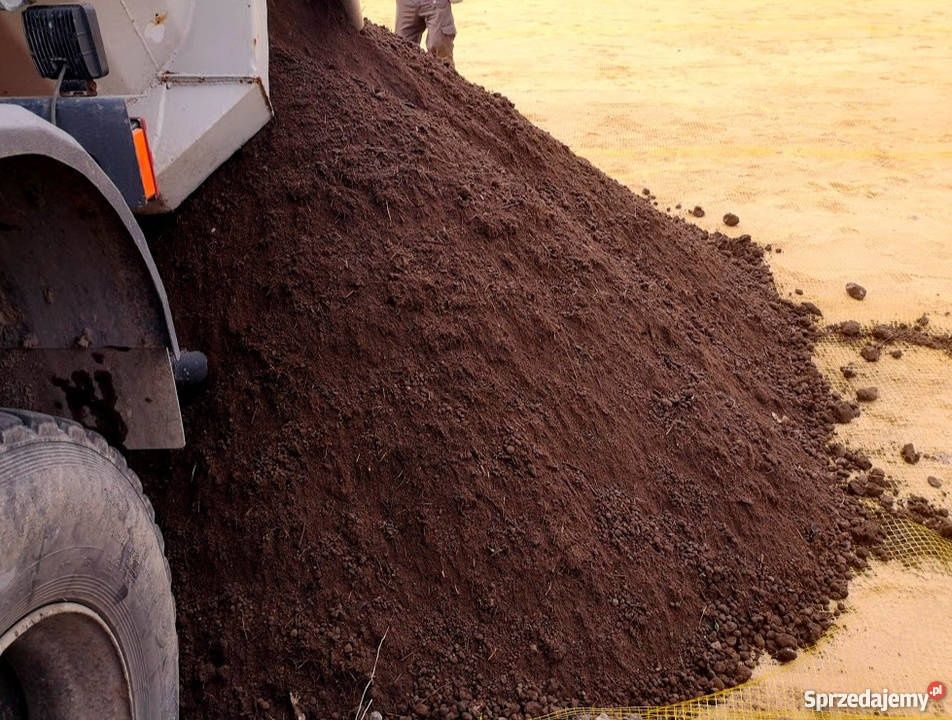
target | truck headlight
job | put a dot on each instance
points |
(65, 36)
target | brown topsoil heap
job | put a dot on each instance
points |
(468, 391)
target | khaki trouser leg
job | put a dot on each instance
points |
(440, 28)
(409, 23)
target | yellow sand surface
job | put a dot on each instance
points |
(827, 128)
(874, 645)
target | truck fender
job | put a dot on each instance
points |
(85, 327)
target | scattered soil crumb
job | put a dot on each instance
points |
(812, 308)
(857, 292)
(845, 412)
(850, 328)
(909, 453)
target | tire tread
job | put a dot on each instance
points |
(18, 427)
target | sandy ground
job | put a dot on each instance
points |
(869, 648)
(826, 128)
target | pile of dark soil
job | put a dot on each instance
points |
(469, 392)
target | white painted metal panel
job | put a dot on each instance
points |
(195, 70)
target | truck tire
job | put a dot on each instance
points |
(87, 620)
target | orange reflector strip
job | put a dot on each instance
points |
(144, 158)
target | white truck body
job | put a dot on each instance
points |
(196, 71)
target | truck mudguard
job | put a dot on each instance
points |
(85, 327)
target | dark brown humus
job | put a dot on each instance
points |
(467, 388)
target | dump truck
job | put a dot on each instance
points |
(109, 110)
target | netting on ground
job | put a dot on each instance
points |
(919, 561)
(912, 543)
(914, 404)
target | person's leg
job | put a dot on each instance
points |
(440, 28)
(409, 23)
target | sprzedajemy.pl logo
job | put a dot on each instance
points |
(883, 700)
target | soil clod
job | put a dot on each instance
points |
(845, 412)
(910, 454)
(850, 328)
(857, 292)
(786, 655)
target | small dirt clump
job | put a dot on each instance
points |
(785, 655)
(850, 329)
(845, 412)
(934, 481)
(922, 511)
(731, 220)
(698, 211)
(812, 308)
(884, 332)
(857, 292)
(909, 453)
(871, 353)
(867, 394)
